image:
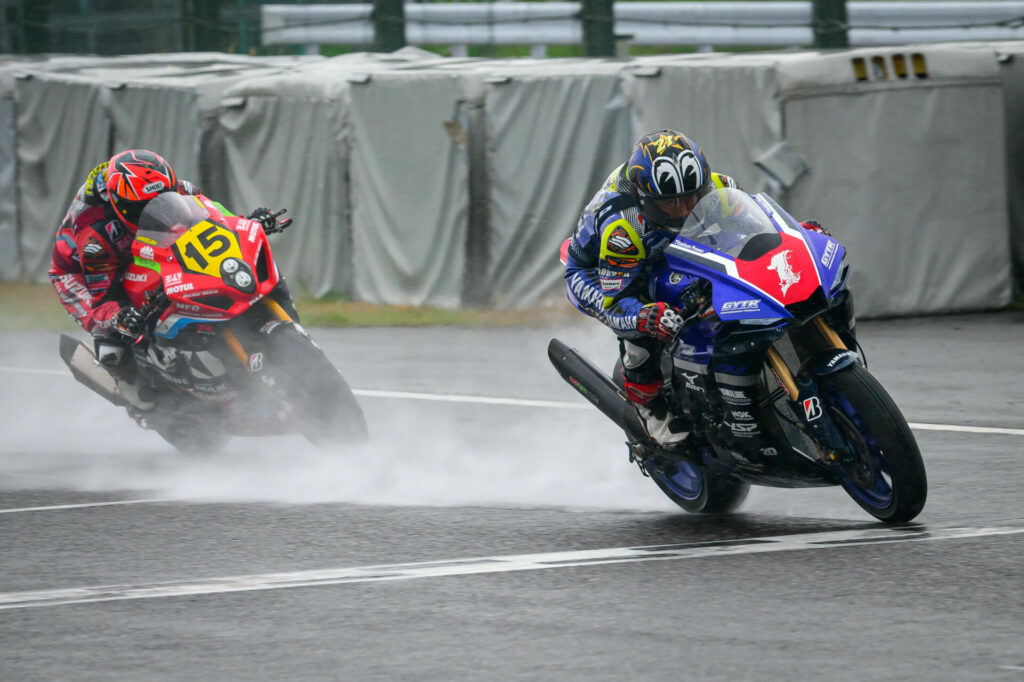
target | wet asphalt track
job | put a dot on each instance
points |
(403, 561)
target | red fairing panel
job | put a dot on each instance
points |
(787, 273)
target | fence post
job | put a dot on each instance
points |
(598, 21)
(388, 25)
(830, 24)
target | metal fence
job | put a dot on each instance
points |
(695, 24)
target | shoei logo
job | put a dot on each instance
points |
(780, 264)
(153, 186)
(812, 408)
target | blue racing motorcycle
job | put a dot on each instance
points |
(751, 282)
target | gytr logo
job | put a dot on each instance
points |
(812, 408)
(780, 264)
(741, 306)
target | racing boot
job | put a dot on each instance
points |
(116, 358)
(643, 381)
(665, 428)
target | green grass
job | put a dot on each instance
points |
(35, 306)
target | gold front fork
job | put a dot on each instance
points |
(235, 346)
(780, 368)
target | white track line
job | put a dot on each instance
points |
(554, 404)
(490, 565)
(86, 505)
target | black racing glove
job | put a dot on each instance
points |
(127, 324)
(268, 219)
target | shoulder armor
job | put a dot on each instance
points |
(721, 181)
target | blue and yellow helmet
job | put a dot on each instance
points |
(667, 173)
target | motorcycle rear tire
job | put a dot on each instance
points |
(703, 492)
(328, 410)
(888, 481)
(187, 438)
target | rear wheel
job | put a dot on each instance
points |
(187, 436)
(698, 490)
(326, 408)
(884, 472)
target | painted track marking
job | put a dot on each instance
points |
(492, 565)
(86, 505)
(554, 404)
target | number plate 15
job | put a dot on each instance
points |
(204, 246)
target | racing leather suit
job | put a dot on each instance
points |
(90, 252)
(608, 263)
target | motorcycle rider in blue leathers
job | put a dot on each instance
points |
(621, 235)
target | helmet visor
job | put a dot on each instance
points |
(668, 211)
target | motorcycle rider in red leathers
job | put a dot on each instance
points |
(92, 249)
(623, 231)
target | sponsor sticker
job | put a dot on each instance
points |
(611, 283)
(255, 362)
(172, 279)
(146, 252)
(187, 286)
(829, 255)
(749, 305)
(675, 278)
(153, 186)
(692, 248)
(812, 408)
(135, 276)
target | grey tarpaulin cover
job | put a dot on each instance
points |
(72, 113)
(907, 172)
(555, 132)
(62, 133)
(910, 175)
(386, 161)
(350, 168)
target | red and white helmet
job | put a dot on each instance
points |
(133, 178)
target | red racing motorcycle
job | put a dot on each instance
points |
(222, 352)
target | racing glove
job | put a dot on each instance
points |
(127, 324)
(815, 226)
(659, 320)
(268, 219)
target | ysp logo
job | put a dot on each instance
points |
(780, 264)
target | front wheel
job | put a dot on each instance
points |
(698, 490)
(326, 408)
(884, 472)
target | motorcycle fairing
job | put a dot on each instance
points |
(213, 271)
(760, 288)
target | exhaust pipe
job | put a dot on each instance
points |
(598, 388)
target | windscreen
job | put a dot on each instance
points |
(730, 221)
(167, 216)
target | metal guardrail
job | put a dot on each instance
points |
(700, 24)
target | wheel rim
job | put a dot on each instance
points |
(687, 482)
(867, 477)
